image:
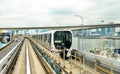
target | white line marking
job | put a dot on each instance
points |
(27, 60)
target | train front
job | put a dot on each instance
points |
(63, 40)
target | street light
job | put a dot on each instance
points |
(81, 37)
(78, 33)
(81, 18)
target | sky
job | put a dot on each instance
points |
(32, 13)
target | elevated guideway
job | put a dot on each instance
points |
(28, 62)
(8, 55)
(63, 66)
(6, 49)
(79, 62)
(23, 59)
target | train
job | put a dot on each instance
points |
(6, 37)
(56, 40)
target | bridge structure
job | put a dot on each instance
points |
(63, 27)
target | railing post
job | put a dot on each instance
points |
(111, 68)
(80, 62)
(95, 64)
(75, 57)
(83, 59)
(59, 57)
(80, 67)
(64, 58)
(70, 64)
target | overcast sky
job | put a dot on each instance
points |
(57, 12)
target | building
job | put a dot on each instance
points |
(103, 32)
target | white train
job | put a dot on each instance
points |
(56, 39)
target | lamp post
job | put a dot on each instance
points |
(81, 38)
(78, 33)
(81, 18)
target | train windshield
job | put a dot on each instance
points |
(62, 39)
